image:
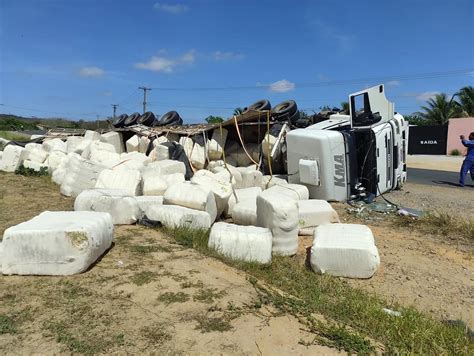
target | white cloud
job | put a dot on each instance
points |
(225, 56)
(171, 8)
(393, 83)
(345, 41)
(107, 93)
(426, 95)
(282, 86)
(166, 65)
(91, 72)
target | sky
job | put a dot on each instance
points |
(75, 58)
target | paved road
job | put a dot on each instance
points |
(437, 178)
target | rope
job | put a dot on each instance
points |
(225, 166)
(242, 142)
(269, 159)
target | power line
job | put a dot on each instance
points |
(404, 77)
(145, 89)
(115, 109)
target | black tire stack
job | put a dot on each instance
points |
(286, 111)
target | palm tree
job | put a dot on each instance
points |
(440, 109)
(345, 107)
(466, 100)
(238, 111)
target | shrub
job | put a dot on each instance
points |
(455, 152)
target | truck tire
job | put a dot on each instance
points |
(171, 118)
(147, 119)
(284, 110)
(119, 121)
(260, 105)
(132, 119)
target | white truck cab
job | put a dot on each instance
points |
(351, 155)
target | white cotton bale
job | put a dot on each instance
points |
(83, 148)
(146, 202)
(268, 143)
(315, 212)
(198, 156)
(108, 159)
(12, 158)
(58, 175)
(187, 144)
(173, 216)
(159, 140)
(36, 154)
(132, 161)
(118, 203)
(213, 165)
(144, 142)
(243, 243)
(92, 135)
(154, 185)
(239, 195)
(250, 178)
(280, 215)
(220, 188)
(80, 174)
(344, 250)
(293, 191)
(32, 145)
(217, 143)
(133, 144)
(269, 181)
(36, 166)
(56, 243)
(72, 142)
(128, 180)
(160, 153)
(34, 137)
(55, 144)
(167, 166)
(192, 196)
(115, 139)
(245, 212)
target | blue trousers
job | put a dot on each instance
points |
(467, 166)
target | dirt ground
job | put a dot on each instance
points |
(435, 162)
(148, 295)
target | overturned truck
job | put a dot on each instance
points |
(342, 157)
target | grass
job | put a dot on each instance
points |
(143, 277)
(208, 295)
(353, 316)
(145, 249)
(209, 324)
(7, 325)
(155, 334)
(8, 135)
(171, 297)
(441, 224)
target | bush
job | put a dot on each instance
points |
(455, 152)
(29, 172)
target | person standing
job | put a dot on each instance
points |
(468, 163)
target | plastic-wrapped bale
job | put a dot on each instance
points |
(80, 174)
(245, 243)
(54, 145)
(83, 148)
(118, 203)
(216, 166)
(166, 166)
(267, 144)
(198, 156)
(144, 142)
(115, 139)
(146, 202)
(229, 169)
(54, 160)
(36, 166)
(133, 144)
(250, 178)
(294, 191)
(56, 243)
(280, 215)
(239, 195)
(172, 216)
(187, 144)
(129, 180)
(160, 153)
(37, 154)
(159, 140)
(245, 212)
(270, 181)
(344, 250)
(107, 158)
(12, 158)
(192, 196)
(92, 135)
(98, 147)
(158, 184)
(216, 144)
(221, 189)
(315, 212)
(132, 161)
(72, 142)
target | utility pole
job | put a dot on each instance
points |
(115, 108)
(144, 97)
(98, 122)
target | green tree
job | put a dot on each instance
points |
(440, 109)
(214, 119)
(238, 111)
(466, 100)
(345, 107)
